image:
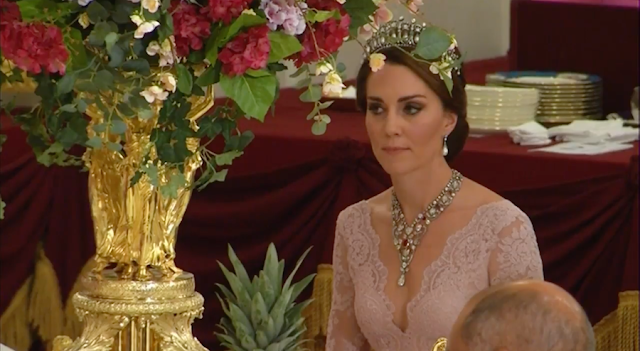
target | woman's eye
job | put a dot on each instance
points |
(375, 109)
(412, 110)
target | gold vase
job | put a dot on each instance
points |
(136, 298)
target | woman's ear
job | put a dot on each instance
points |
(451, 119)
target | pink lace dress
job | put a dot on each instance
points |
(497, 245)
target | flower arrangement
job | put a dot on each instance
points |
(152, 56)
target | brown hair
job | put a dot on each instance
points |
(455, 102)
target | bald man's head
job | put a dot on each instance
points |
(522, 316)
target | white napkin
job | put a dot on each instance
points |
(595, 132)
(577, 148)
(5, 348)
(530, 133)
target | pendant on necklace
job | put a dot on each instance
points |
(407, 237)
(401, 280)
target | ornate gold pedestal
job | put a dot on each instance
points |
(136, 298)
(147, 315)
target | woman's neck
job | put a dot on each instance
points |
(416, 190)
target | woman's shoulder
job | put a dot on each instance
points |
(362, 211)
(494, 211)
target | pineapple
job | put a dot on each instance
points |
(261, 314)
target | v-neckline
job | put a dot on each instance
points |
(391, 307)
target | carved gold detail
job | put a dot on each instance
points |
(136, 298)
(122, 314)
(136, 226)
(440, 345)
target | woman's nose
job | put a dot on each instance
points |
(392, 124)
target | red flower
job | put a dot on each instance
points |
(9, 13)
(34, 47)
(249, 50)
(329, 35)
(225, 10)
(189, 27)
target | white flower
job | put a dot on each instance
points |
(83, 19)
(144, 28)
(376, 61)
(323, 68)
(84, 2)
(151, 5)
(165, 51)
(332, 85)
(454, 44)
(136, 19)
(440, 68)
(154, 93)
(341, 2)
(168, 81)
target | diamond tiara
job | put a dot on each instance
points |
(441, 54)
(394, 33)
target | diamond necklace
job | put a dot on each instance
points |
(406, 238)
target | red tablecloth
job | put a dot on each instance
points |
(289, 187)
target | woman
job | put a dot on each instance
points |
(407, 260)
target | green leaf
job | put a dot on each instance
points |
(165, 30)
(313, 15)
(244, 21)
(448, 82)
(239, 142)
(176, 182)
(75, 46)
(68, 108)
(99, 33)
(185, 79)
(41, 10)
(313, 94)
(253, 95)
(145, 114)
(359, 12)
(210, 76)
(433, 43)
(226, 159)
(140, 66)
(100, 128)
(111, 39)
(318, 128)
(300, 71)
(282, 45)
(97, 12)
(82, 105)
(88, 86)
(117, 55)
(94, 143)
(239, 269)
(117, 147)
(118, 127)
(104, 80)
(65, 84)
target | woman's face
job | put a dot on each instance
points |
(405, 120)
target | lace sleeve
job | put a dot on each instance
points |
(516, 255)
(343, 332)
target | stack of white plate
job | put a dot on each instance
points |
(564, 97)
(495, 109)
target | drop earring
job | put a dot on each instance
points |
(445, 149)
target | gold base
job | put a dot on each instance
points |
(150, 315)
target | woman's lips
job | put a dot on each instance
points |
(392, 150)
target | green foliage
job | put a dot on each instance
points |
(262, 313)
(253, 94)
(359, 11)
(112, 71)
(433, 43)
